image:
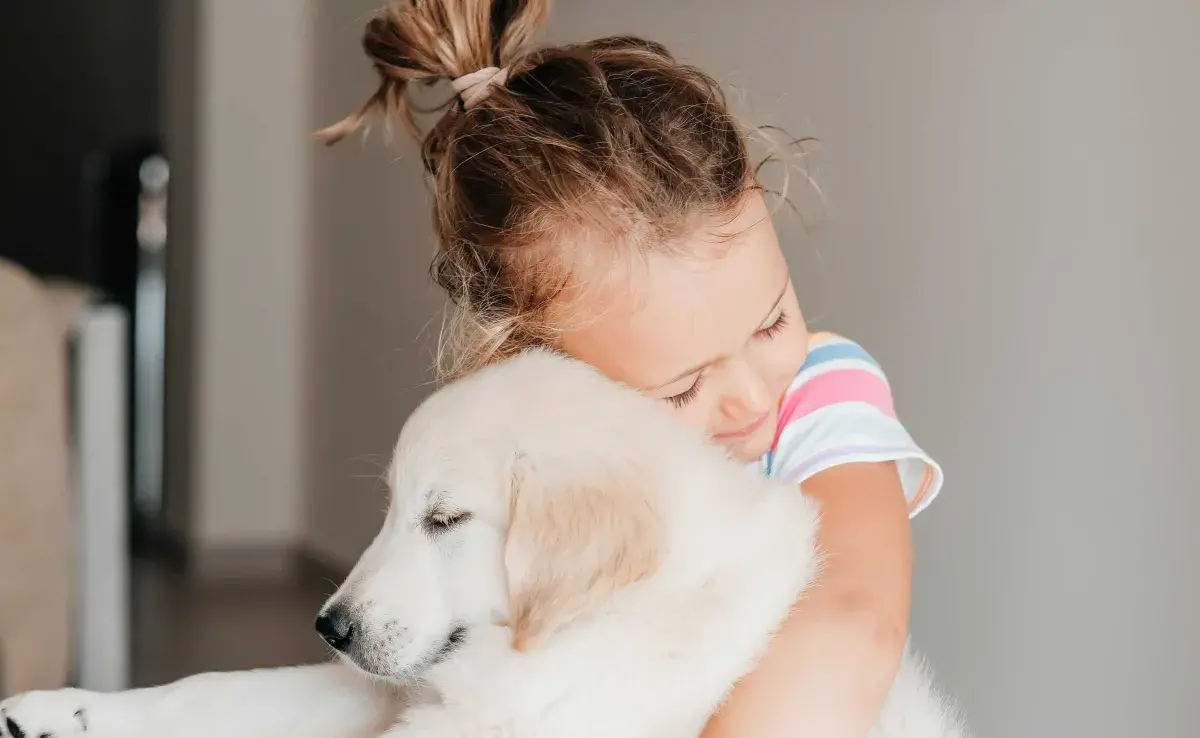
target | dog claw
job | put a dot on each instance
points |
(43, 715)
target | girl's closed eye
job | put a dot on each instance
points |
(773, 330)
(688, 394)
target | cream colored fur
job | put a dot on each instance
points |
(555, 574)
(560, 560)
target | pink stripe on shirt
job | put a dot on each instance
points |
(831, 388)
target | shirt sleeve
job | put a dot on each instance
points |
(839, 410)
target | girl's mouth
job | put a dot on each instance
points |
(749, 429)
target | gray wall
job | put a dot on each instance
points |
(236, 118)
(254, 140)
(1012, 231)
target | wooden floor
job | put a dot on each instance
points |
(180, 628)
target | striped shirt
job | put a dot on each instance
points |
(839, 410)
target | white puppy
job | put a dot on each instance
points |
(560, 559)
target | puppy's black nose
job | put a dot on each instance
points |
(336, 627)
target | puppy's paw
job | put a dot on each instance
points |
(61, 713)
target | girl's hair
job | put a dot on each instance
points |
(610, 143)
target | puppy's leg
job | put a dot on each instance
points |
(295, 702)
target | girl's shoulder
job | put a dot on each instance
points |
(836, 370)
(839, 409)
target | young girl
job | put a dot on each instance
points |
(599, 198)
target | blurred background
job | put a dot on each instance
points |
(212, 329)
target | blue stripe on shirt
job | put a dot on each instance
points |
(836, 351)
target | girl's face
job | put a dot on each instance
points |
(718, 334)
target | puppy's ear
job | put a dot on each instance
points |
(570, 547)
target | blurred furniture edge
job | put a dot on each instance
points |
(63, 461)
(100, 380)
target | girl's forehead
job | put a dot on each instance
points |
(678, 309)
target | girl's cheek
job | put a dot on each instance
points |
(783, 358)
(695, 414)
(795, 351)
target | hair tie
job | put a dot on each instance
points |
(474, 87)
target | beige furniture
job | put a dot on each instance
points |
(36, 529)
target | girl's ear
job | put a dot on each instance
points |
(571, 547)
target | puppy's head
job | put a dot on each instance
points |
(521, 495)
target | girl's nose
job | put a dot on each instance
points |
(745, 396)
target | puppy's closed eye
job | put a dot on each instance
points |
(442, 520)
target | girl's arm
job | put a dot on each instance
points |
(830, 667)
